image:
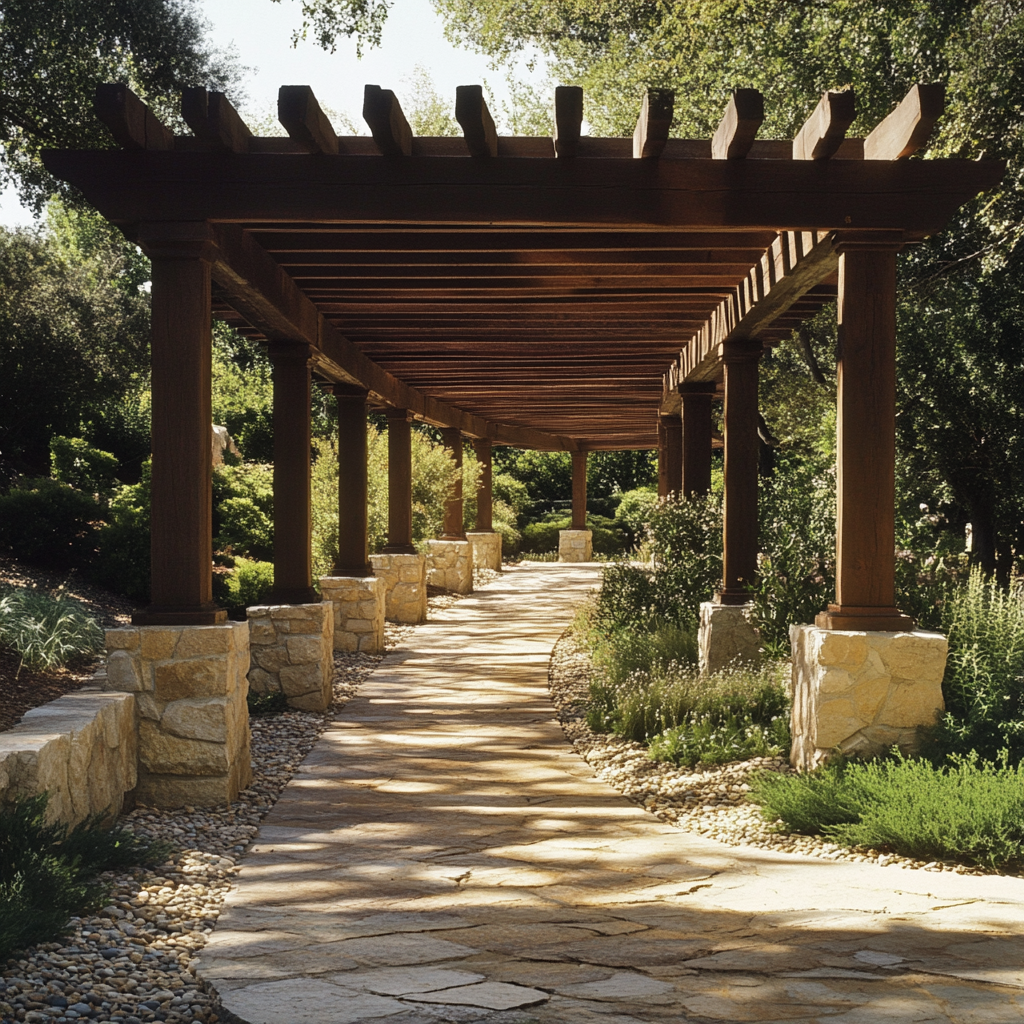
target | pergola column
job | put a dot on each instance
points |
(579, 490)
(672, 427)
(353, 526)
(453, 518)
(662, 465)
(484, 493)
(696, 399)
(739, 539)
(181, 522)
(866, 446)
(399, 484)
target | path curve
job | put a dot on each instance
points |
(444, 855)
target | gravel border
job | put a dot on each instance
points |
(710, 801)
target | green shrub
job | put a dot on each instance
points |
(46, 870)
(243, 510)
(76, 463)
(708, 739)
(272, 703)
(623, 651)
(967, 810)
(47, 631)
(48, 523)
(607, 538)
(122, 562)
(634, 512)
(248, 583)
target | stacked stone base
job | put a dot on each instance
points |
(405, 586)
(450, 565)
(486, 549)
(575, 545)
(358, 603)
(190, 688)
(859, 693)
(727, 637)
(293, 653)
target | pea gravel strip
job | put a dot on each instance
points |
(709, 800)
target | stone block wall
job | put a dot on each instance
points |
(451, 565)
(358, 603)
(190, 688)
(81, 749)
(575, 545)
(405, 586)
(726, 637)
(292, 651)
(486, 549)
(861, 693)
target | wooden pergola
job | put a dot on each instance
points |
(565, 293)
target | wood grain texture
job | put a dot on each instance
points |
(353, 488)
(451, 437)
(475, 119)
(304, 121)
(672, 432)
(388, 126)
(654, 124)
(695, 402)
(132, 124)
(739, 125)
(908, 127)
(579, 490)
(399, 484)
(484, 490)
(823, 132)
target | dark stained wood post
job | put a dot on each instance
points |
(579, 490)
(293, 523)
(662, 467)
(399, 484)
(673, 449)
(696, 399)
(181, 523)
(353, 521)
(739, 538)
(866, 446)
(484, 494)
(453, 526)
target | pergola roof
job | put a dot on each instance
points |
(545, 293)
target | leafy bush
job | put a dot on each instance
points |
(968, 810)
(122, 559)
(248, 583)
(243, 510)
(542, 536)
(634, 512)
(76, 463)
(48, 523)
(47, 631)
(707, 739)
(46, 870)
(623, 651)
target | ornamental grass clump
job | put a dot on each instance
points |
(47, 631)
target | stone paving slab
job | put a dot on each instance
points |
(444, 856)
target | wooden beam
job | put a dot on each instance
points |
(824, 131)
(477, 125)
(739, 125)
(907, 128)
(652, 127)
(131, 122)
(568, 119)
(305, 122)
(215, 122)
(388, 126)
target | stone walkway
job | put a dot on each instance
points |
(443, 855)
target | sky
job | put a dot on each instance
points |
(261, 32)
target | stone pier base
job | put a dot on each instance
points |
(575, 545)
(190, 688)
(859, 694)
(727, 637)
(486, 549)
(293, 652)
(450, 565)
(358, 603)
(405, 586)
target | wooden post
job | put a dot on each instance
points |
(484, 494)
(739, 539)
(662, 464)
(866, 446)
(181, 527)
(453, 527)
(696, 399)
(293, 525)
(399, 484)
(353, 526)
(673, 451)
(579, 490)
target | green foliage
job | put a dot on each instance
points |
(122, 558)
(622, 651)
(542, 536)
(616, 472)
(248, 583)
(329, 19)
(243, 393)
(48, 523)
(547, 476)
(76, 463)
(736, 737)
(634, 512)
(968, 810)
(46, 870)
(271, 703)
(47, 631)
(243, 510)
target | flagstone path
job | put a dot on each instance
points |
(444, 855)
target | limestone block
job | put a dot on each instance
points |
(575, 545)
(359, 606)
(486, 549)
(124, 671)
(860, 693)
(727, 637)
(405, 586)
(450, 565)
(198, 719)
